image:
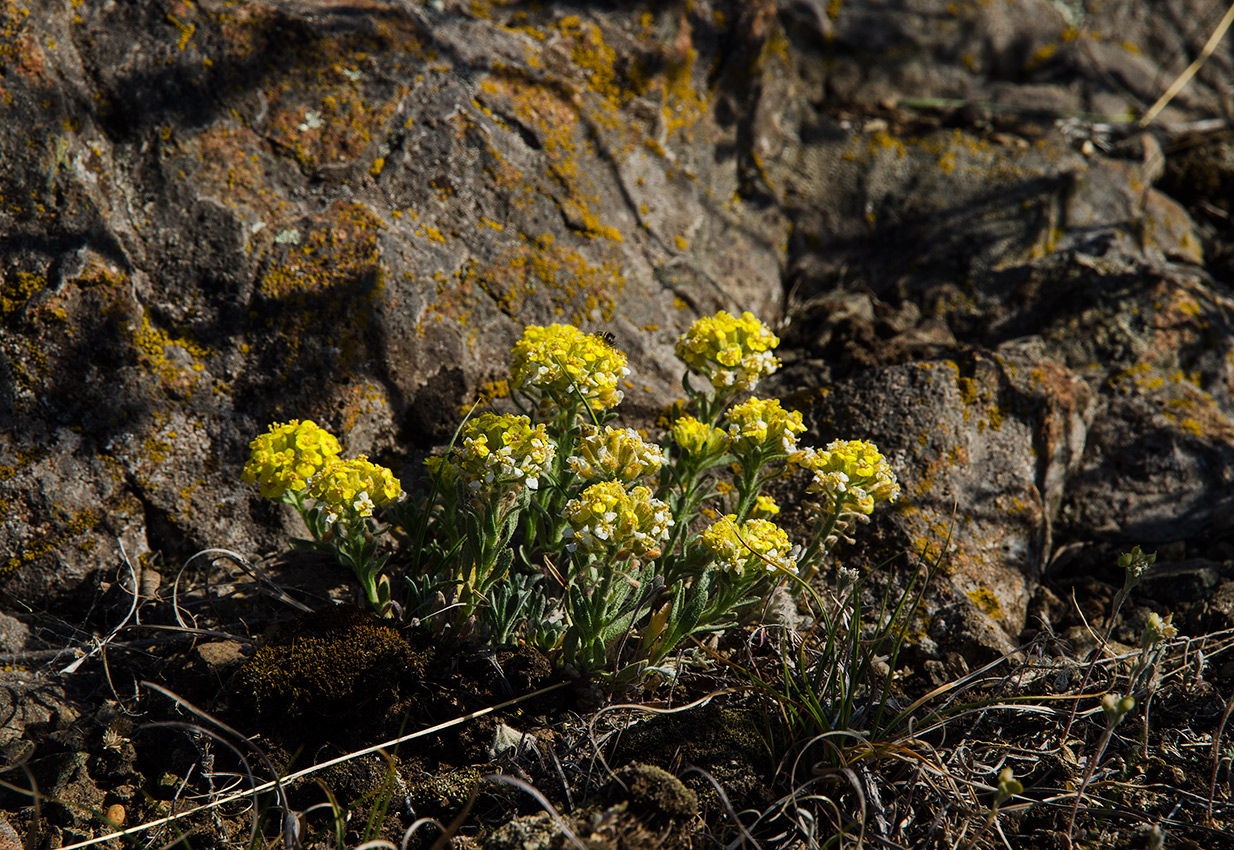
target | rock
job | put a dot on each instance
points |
(655, 793)
(14, 634)
(1015, 60)
(531, 832)
(28, 700)
(9, 839)
(985, 443)
(220, 215)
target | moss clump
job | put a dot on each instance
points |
(655, 792)
(446, 791)
(731, 744)
(330, 662)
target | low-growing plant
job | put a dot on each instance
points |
(549, 526)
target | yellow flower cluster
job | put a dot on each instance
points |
(852, 473)
(698, 438)
(762, 426)
(764, 506)
(285, 457)
(354, 486)
(755, 545)
(607, 518)
(615, 454)
(559, 363)
(732, 353)
(1158, 629)
(500, 449)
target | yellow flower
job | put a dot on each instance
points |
(502, 450)
(355, 487)
(764, 506)
(286, 456)
(757, 545)
(607, 518)
(441, 470)
(852, 473)
(761, 426)
(559, 364)
(615, 454)
(698, 438)
(1158, 629)
(733, 354)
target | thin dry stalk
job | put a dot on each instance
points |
(308, 771)
(540, 798)
(1185, 77)
(1212, 785)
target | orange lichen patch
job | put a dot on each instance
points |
(589, 88)
(596, 60)
(1040, 56)
(1178, 397)
(331, 104)
(557, 123)
(185, 28)
(980, 398)
(322, 288)
(43, 545)
(337, 131)
(357, 400)
(330, 256)
(987, 603)
(20, 459)
(227, 163)
(243, 29)
(16, 290)
(18, 46)
(176, 360)
(580, 289)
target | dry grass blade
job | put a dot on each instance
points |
(199, 730)
(1212, 787)
(542, 800)
(243, 563)
(744, 834)
(1185, 77)
(76, 664)
(308, 771)
(415, 827)
(645, 709)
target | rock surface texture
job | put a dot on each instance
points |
(217, 214)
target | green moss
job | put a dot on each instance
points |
(447, 790)
(654, 791)
(327, 659)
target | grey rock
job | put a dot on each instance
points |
(228, 215)
(239, 213)
(982, 448)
